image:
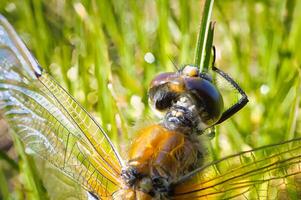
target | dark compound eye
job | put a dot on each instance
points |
(162, 79)
(164, 89)
(162, 97)
(208, 96)
(206, 76)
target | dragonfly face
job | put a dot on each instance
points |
(191, 101)
(165, 160)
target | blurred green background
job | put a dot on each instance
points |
(106, 52)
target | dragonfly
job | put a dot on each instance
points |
(165, 160)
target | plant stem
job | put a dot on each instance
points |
(203, 34)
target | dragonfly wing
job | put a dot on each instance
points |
(269, 172)
(50, 122)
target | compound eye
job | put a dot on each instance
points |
(161, 98)
(190, 71)
(164, 89)
(206, 76)
(162, 79)
(209, 98)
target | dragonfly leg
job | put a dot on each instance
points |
(241, 102)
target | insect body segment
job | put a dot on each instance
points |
(159, 156)
(187, 92)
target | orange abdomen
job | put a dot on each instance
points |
(158, 151)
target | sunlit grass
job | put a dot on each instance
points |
(97, 49)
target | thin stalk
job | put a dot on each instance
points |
(203, 34)
(208, 47)
(4, 191)
(31, 177)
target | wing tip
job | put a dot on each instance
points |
(36, 68)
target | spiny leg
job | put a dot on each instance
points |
(241, 102)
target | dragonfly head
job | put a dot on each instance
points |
(187, 98)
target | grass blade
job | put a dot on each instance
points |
(203, 34)
(208, 47)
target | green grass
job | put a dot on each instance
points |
(96, 50)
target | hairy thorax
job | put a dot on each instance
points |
(158, 157)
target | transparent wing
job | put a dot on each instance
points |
(229, 93)
(50, 122)
(269, 172)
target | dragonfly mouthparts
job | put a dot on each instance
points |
(180, 118)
